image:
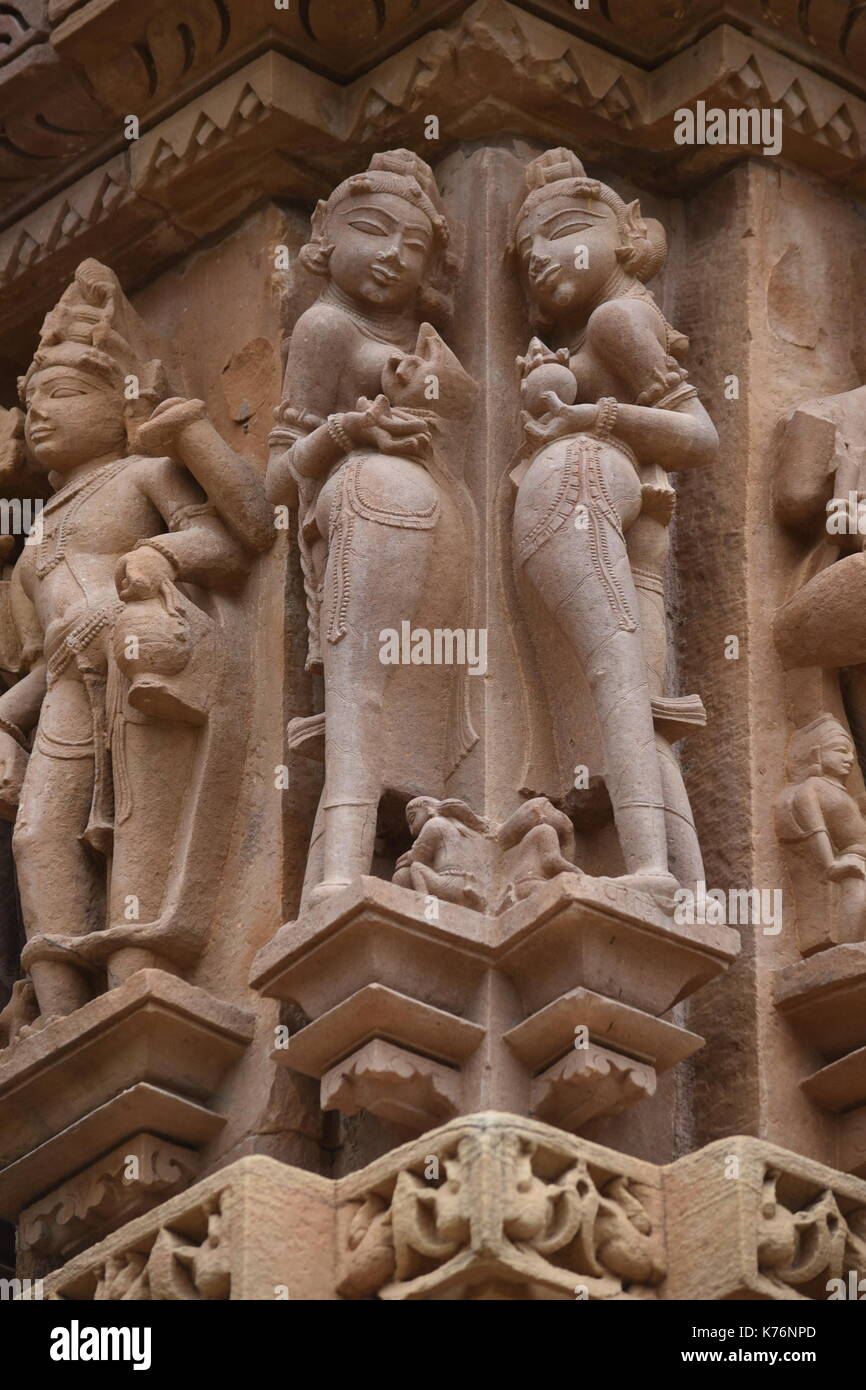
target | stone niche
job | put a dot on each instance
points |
(431, 739)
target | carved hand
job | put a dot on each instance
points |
(390, 430)
(847, 866)
(159, 433)
(560, 420)
(142, 573)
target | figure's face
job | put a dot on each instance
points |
(382, 247)
(837, 757)
(72, 418)
(418, 816)
(567, 248)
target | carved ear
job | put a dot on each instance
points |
(646, 244)
(634, 229)
(317, 221)
(634, 222)
(316, 254)
(11, 443)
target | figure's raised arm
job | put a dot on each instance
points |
(667, 424)
(196, 547)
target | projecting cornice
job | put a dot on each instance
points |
(69, 71)
(275, 128)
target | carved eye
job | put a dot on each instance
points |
(372, 228)
(568, 229)
(60, 391)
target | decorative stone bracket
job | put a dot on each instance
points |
(419, 1020)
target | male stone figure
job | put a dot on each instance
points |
(124, 705)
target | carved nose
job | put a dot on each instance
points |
(537, 262)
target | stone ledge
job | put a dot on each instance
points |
(491, 1206)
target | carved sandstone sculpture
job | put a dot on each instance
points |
(824, 828)
(608, 413)
(384, 525)
(461, 857)
(820, 637)
(131, 656)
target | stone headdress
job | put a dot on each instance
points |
(804, 748)
(94, 328)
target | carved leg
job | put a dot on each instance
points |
(648, 544)
(606, 637)
(450, 889)
(684, 848)
(58, 879)
(380, 587)
(851, 914)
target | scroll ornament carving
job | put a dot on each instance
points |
(804, 1249)
(174, 1269)
(496, 1215)
(104, 1194)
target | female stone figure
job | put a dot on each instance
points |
(382, 525)
(608, 412)
(125, 726)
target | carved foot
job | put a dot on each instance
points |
(660, 888)
(326, 890)
(38, 1024)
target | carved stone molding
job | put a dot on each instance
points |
(780, 1226)
(55, 55)
(276, 128)
(494, 1207)
(510, 1206)
(237, 1234)
(145, 1058)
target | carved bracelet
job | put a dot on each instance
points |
(164, 550)
(608, 408)
(339, 434)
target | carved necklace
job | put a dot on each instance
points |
(390, 328)
(51, 550)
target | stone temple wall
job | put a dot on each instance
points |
(432, 650)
